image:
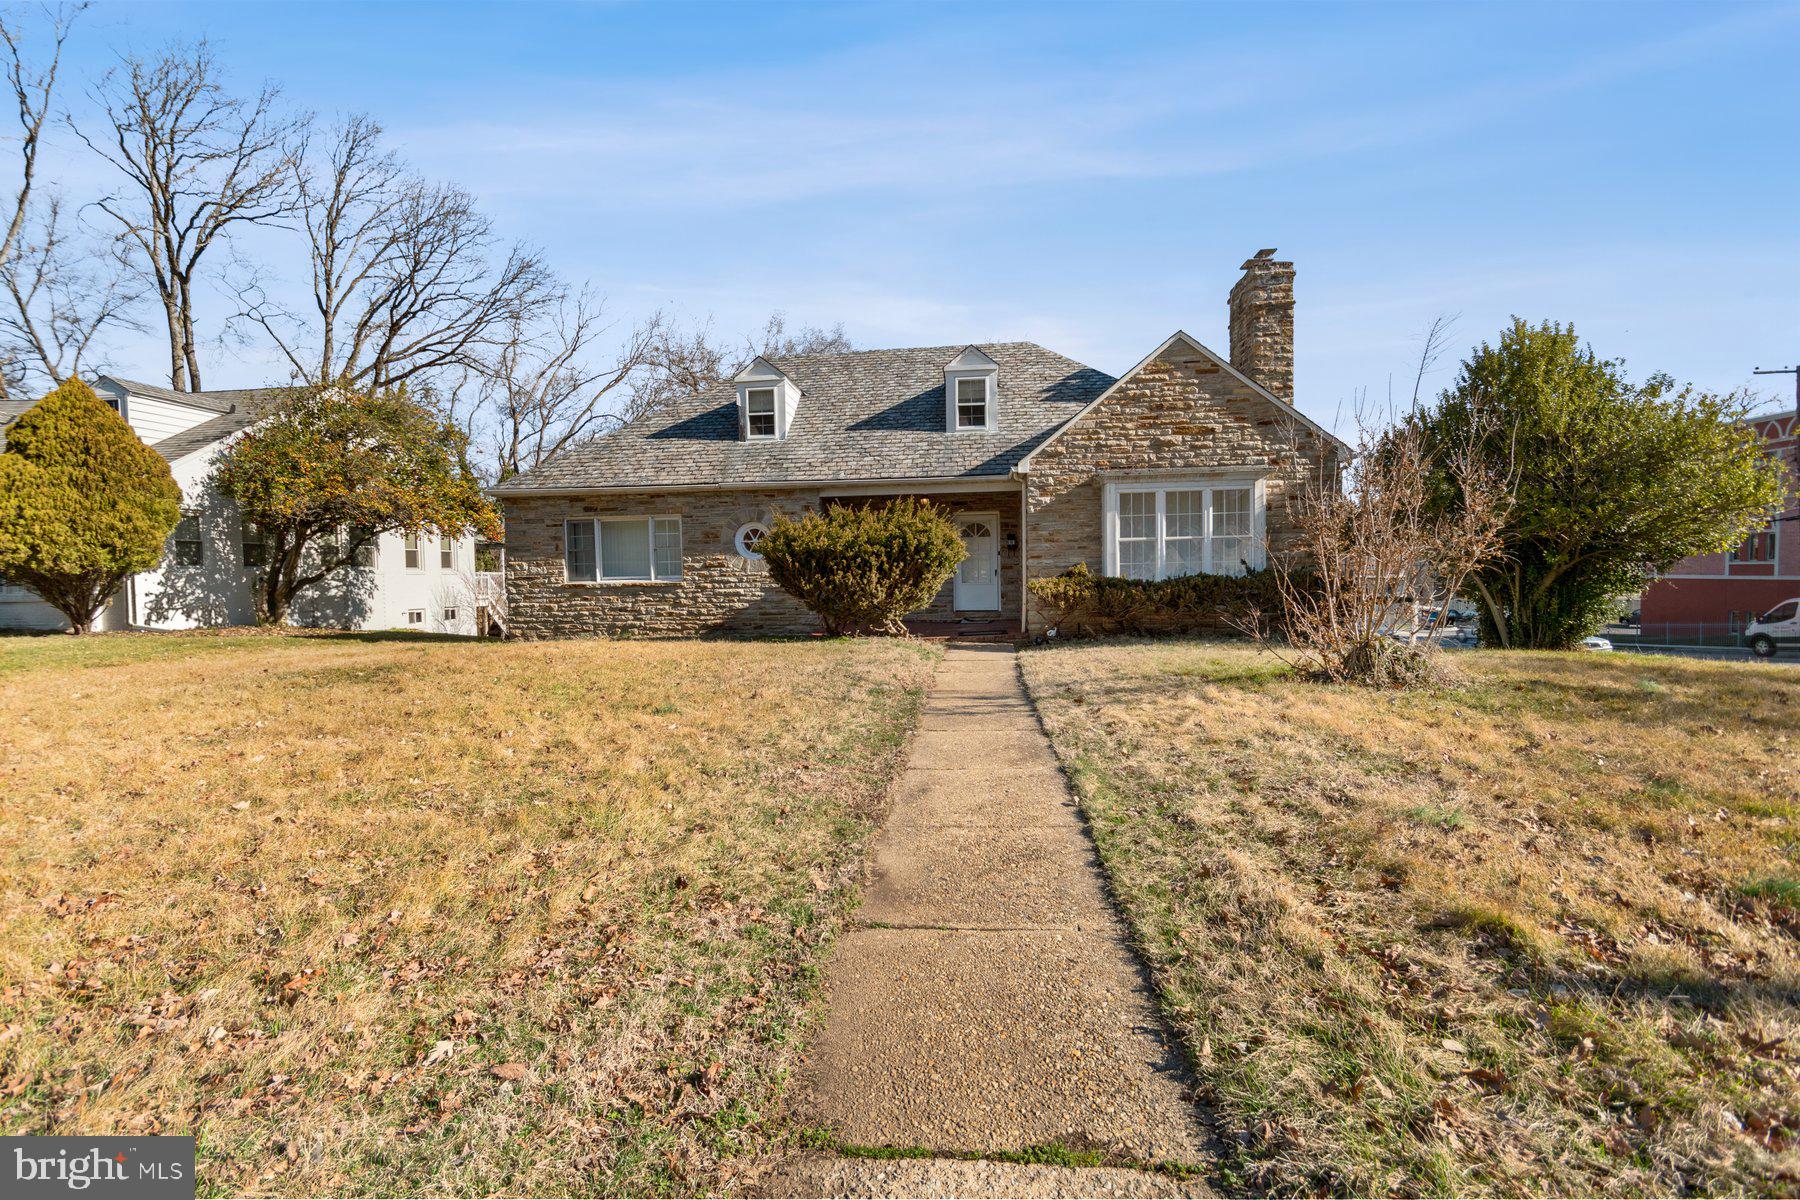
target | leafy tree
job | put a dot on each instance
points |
(332, 469)
(865, 567)
(1610, 481)
(84, 504)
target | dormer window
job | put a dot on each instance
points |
(972, 403)
(972, 393)
(759, 412)
(767, 399)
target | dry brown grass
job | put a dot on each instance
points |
(378, 916)
(1532, 934)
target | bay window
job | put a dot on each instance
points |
(1164, 529)
(629, 549)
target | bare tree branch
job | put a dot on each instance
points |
(196, 162)
(33, 87)
(64, 294)
(686, 364)
(405, 281)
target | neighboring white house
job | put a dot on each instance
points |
(426, 583)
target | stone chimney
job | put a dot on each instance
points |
(1262, 323)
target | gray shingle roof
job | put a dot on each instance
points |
(221, 401)
(10, 411)
(864, 415)
(242, 415)
(238, 408)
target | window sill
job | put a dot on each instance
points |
(619, 583)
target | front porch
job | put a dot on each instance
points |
(968, 629)
(985, 596)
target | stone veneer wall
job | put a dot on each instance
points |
(719, 591)
(1178, 413)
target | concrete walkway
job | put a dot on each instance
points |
(987, 1000)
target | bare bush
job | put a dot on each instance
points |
(1364, 554)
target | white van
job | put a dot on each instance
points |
(1780, 626)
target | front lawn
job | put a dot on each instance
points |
(427, 917)
(1533, 934)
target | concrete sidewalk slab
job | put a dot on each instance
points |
(827, 1175)
(987, 878)
(989, 1001)
(992, 750)
(1019, 799)
(969, 1041)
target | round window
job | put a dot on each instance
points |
(747, 537)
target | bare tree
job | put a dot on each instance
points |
(544, 389)
(406, 279)
(33, 87)
(686, 364)
(197, 161)
(63, 294)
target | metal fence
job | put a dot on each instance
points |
(1691, 635)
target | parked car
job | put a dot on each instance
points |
(1778, 627)
(1595, 643)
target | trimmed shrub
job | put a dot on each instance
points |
(1081, 602)
(862, 569)
(84, 504)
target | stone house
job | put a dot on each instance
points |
(1184, 464)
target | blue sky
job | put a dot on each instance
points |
(1090, 177)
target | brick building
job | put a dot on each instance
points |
(1748, 580)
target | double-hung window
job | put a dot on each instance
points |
(624, 549)
(759, 412)
(446, 553)
(190, 550)
(412, 552)
(1165, 530)
(972, 403)
(256, 550)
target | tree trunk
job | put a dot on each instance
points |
(177, 367)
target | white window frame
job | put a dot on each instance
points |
(415, 616)
(742, 539)
(1161, 486)
(450, 613)
(600, 580)
(414, 557)
(774, 394)
(987, 403)
(446, 553)
(249, 534)
(953, 381)
(176, 541)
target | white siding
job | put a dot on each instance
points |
(218, 591)
(22, 610)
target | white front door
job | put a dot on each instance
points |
(978, 578)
